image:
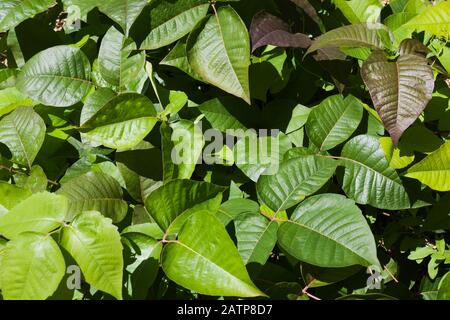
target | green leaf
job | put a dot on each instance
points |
(219, 117)
(13, 12)
(10, 99)
(177, 58)
(435, 19)
(36, 181)
(205, 260)
(11, 195)
(233, 208)
(360, 10)
(434, 170)
(329, 230)
(368, 179)
(170, 21)
(95, 102)
(122, 122)
(444, 288)
(176, 197)
(117, 63)
(372, 36)
(58, 76)
(333, 121)
(188, 142)
(32, 267)
(296, 179)
(95, 191)
(41, 212)
(16, 130)
(94, 242)
(400, 90)
(123, 12)
(294, 130)
(219, 51)
(256, 237)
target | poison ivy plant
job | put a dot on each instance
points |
(195, 149)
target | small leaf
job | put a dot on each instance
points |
(269, 29)
(329, 230)
(94, 242)
(58, 76)
(400, 90)
(41, 212)
(434, 170)
(219, 51)
(205, 260)
(16, 130)
(32, 267)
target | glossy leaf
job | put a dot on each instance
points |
(329, 230)
(13, 12)
(208, 264)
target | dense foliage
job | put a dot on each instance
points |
(192, 149)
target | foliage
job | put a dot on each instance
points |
(109, 111)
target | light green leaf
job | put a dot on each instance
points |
(435, 19)
(36, 181)
(188, 143)
(333, 121)
(122, 122)
(95, 102)
(41, 212)
(32, 267)
(219, 51)
(256, 237)
(58, 76)
(233, 208)
(11, 195)
(171, 21)
(11, 98)
(177, 58)
(368, 179)
(294, 130)
(117, 63)
(94, 242)
(95, 191)
(176, 197)
(329, 230)
(13, 12)
(397, 158)
(373, 36)
(296, 178)
(434, 170)
(16, 130)
(360, 10)
(205, 260)
(444, 288)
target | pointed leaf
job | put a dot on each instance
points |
(57, 76)
(204, 259)
(16, 130)
(368, 179)
(400, 90)
(434, 170)
(32, 267)
(94, 242)
(171, 21)
(329, 230)
(334, 121)
(219, 51)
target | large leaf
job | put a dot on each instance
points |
(434, 170)
(435, 19)
(94, 242)
(123, 12)
(372, 36)
(256, 237)
(95, 191)
(296, 178)
(368, 179)
(16, 130)
(205, 260)
(269, 29)
(329, 230)
(176, 197)
(333, 121)
(42, 212)
(121, 123)
(400, 90)
(13, 12)
(117, 63)
(32, 267)
(172, 20)
(57, 76)
(219, 51)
